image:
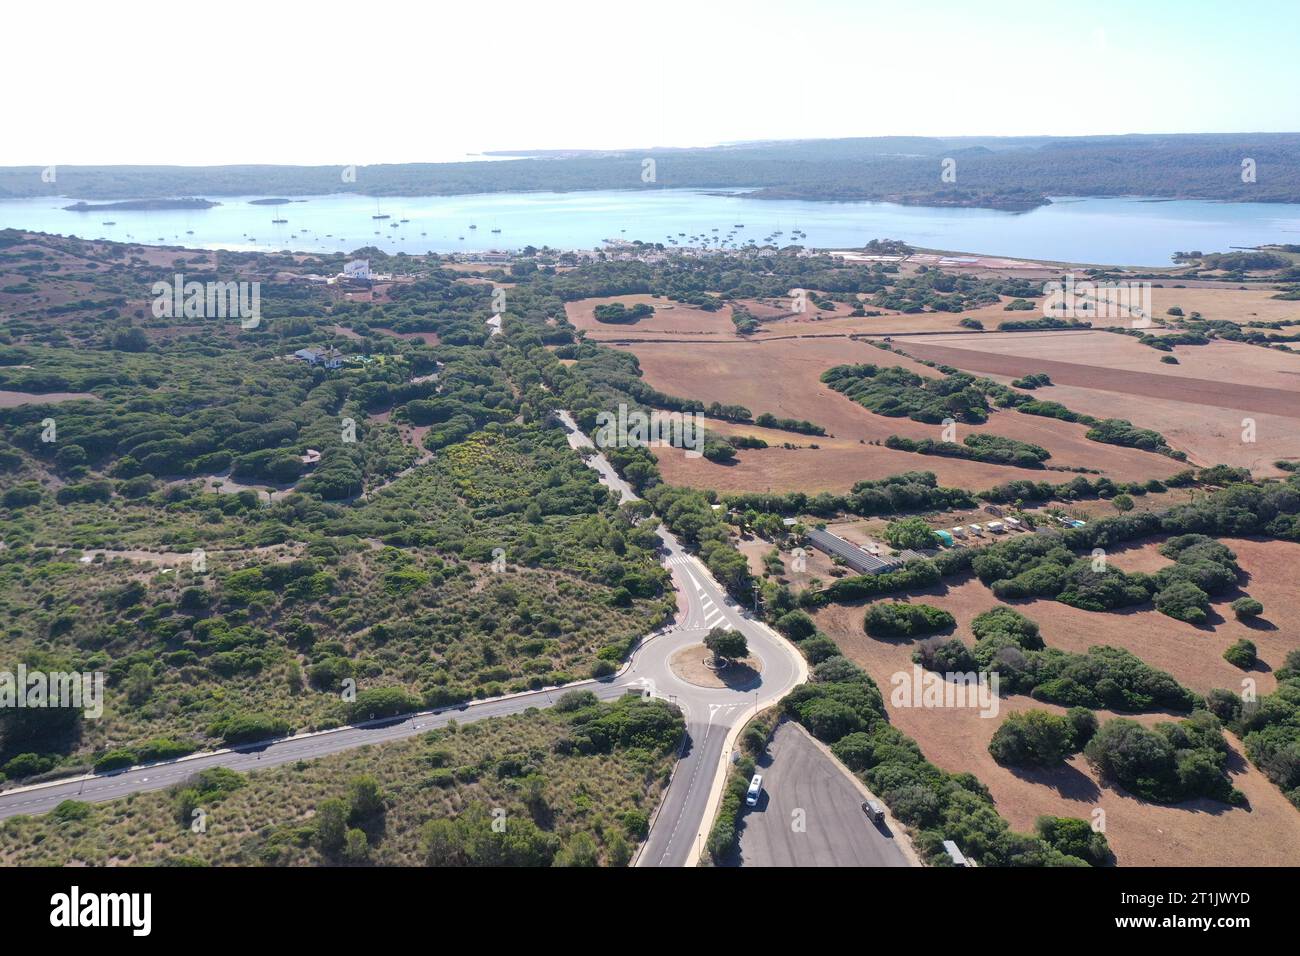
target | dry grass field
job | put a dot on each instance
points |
(783, 377)
(1227, 304)
(1199, 404)
(674, 321)
(1193, 833)
(670, 319)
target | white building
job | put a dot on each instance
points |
(357, 269)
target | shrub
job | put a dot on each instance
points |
(376, 702)
(1241, 654)
(242, 728)
(1075, 837)
(1008, 621)
(819, 648)
(1247, 607)
(901, 619)
(944, 655)
(1033, 738)
(1165, 764)
(796, 625)
(117, 759)
(1184, 601)
(70, 810)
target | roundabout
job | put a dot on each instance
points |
(696, 665)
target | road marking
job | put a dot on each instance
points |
(690, 785)
(714, 708)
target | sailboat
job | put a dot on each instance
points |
(378, 213)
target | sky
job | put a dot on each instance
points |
(148, 82)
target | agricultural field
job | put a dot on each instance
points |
(249, 545)
(1199, 832)
(783, 377)
(1198, 404)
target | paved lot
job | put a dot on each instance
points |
(800, 776)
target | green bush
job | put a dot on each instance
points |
(1033, 738)
(901, 619)
(1246, 608)
(1165, 764)
(1241, 654)
(1075, 837)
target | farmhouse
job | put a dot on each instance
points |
(329, 358)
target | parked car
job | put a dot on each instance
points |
(755, 788)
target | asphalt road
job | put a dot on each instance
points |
(711, 714)
(804, 787)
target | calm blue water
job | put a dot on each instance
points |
(1108, 231)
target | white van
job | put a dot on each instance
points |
(874, 811)
(755, 788)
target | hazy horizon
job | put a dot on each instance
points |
(340, 84)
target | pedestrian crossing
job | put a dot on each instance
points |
(706, 608)
(713, 616)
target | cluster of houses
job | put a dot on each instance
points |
(873, 561)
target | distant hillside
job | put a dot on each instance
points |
(1017, 172)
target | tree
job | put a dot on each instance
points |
(1131, 755)
(909, 533)
(332, 825)
(365, 797)
(1033, 738)
(356, 848)
(726, 645)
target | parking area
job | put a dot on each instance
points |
(810, 812)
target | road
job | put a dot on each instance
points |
(803, 785)
(712, 716)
